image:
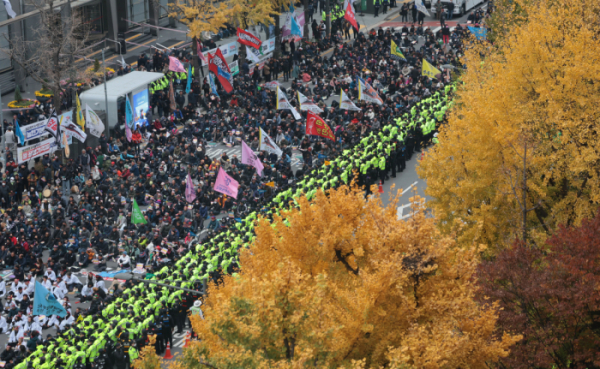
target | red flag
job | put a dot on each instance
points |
(221, 62)
(315, 125)
(349, 15)
(248, 39)
(217, 66)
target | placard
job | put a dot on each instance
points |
(24, 154)
(229, 49)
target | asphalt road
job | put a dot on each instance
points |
(407, 182)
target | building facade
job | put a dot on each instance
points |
(108, 18)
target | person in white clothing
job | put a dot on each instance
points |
(50, 274)
(30, 289)
(15, 286)
(72, 282)
(2, 287)
(58, 292)
(18, 321)
(68, 320)
(19, 295)
(62, 285)
(47, 283)
(3, 324)
(15, 336)
(53, 322)
(87, 292)
(32, 325)
(100, 284)
(124, 261)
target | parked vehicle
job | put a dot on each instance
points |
(459, 7)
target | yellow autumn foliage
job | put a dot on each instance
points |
(347, 285)
(148, 358)
(537, 87)
(210, 15)
(201, 15)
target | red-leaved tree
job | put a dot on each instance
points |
(552, 297)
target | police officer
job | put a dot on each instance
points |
(156, 330)
(167, 326)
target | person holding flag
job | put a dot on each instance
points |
(316, 126)
(396, 52)
(188, 86)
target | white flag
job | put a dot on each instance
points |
(52, 124)
(251, 55)
(308, 104)
(94, 123)
(73, 130)
(122, 61)
(368, 93)
(11, 13)
(421, 7)
(283, 103)
(267, 144)
(346, 103)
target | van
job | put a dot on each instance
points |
(461, 7)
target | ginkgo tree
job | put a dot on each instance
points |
(246, 13)
(200, 16)
(341, 282)
(538, 84)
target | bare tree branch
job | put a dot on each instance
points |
(48, 58)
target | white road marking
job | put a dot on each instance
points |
(409, 187)
(401, 211)
(181, 339)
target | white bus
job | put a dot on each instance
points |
(461, 7)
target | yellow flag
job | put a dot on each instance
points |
(429, 70)
(327, 162)
(396, 52)
(65, 144)
(79, 114)
(270, 184)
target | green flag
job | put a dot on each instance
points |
(136, 214)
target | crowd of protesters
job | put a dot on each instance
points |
(80, 209)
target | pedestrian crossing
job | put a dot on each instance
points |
(215, 152)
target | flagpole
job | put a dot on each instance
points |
(106, 92)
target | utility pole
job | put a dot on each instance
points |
(105, 93)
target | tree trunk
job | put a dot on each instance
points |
(277, 51)
(196, 61)
(56, 97)
(242, 50)
(306, 30)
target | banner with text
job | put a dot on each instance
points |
(228, 50)
(26, 153)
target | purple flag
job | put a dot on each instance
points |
(226, 185)
(190, 194)
(128, 133)
(175, 65)
(249, 158)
